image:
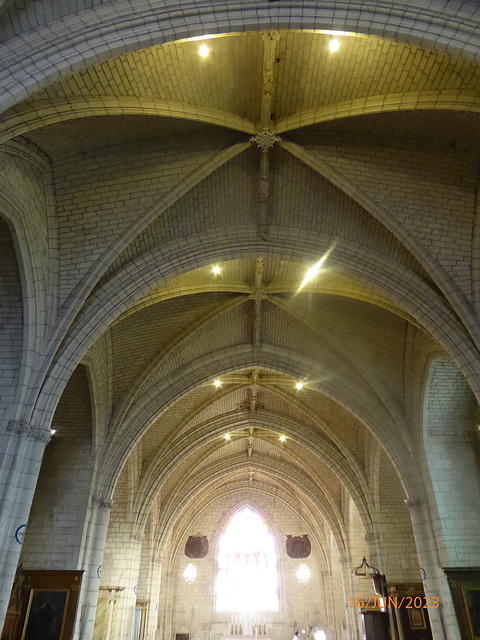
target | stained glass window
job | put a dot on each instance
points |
(247, 578)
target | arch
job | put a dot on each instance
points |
(346, 474)
(219, 473)
(276, 494)
(437, 272)
(450, 442)
(39, 115)
(204, 369)
(163, 264)
(13, 208)
(331, 449)
(101, 32)
(442, 100)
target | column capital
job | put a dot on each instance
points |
(102, 502)
(27, 430)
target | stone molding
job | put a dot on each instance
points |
(22, 428)
(102, 503)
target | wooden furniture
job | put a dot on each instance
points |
(48, 605)
(409, 621)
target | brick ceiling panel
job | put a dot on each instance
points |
(310, 76)
(229, 195)
(431, 194)
(228, 330)
(83, 139)
(140, 336)
(318, 206)
(229, 79)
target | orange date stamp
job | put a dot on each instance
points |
(395, 602)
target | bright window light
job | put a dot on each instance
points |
(247, 579)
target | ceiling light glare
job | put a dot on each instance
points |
(313, 271)
(299, 386)
(334, 45)
(216, 270)
(227, 437)
(53, 432)
(209, 36)
(282, 438)
(203, 50)
(217, 384)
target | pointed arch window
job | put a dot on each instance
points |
(247, 578)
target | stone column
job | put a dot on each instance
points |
(153, 587)
(92, 562)
(443, 626)
(352, 618)
(21, 451)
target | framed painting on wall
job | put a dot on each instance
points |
(465, 588)
(49, 605)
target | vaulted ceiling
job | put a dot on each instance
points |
(262, 157)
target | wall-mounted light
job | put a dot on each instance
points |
(190, 573)
(303, 574)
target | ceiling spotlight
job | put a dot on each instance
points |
(282, 438)
(216, 270)
(217, 384)
(333, 45)
(227, 437)
(53, 432)
(203, 50)
(299, 386)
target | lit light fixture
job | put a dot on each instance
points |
(227, 437)
(217, 383)
(190, 573)
(53, 431)
(333, 45)
(282, 438)
(303, 574)
(203, 50)
(299, 386)
(216, 270)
